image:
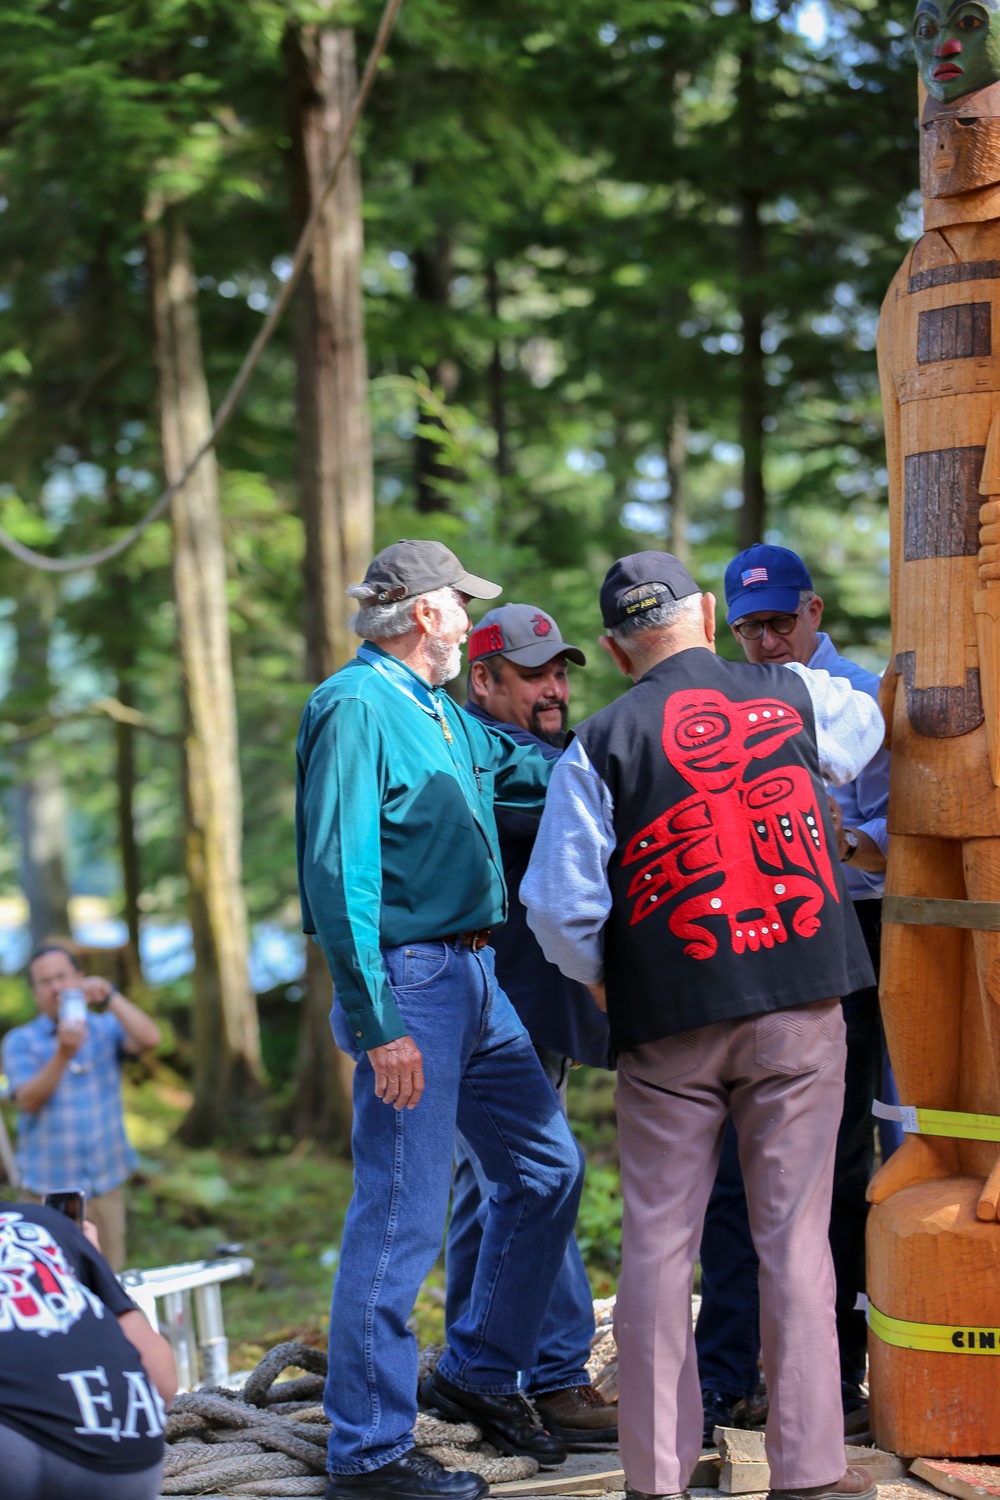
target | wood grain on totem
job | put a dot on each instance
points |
(932, 911)
(961, 331)
(931, 1261)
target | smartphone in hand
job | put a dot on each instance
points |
(69, 1201)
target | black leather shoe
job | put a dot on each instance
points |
(507, 1422)
(415, 1476)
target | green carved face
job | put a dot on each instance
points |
(957, 46)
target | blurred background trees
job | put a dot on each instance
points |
(603, 276)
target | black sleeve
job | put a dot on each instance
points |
(92, 1270)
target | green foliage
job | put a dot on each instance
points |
(553, 280)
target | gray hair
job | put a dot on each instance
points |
(661, 617)
(384, 622)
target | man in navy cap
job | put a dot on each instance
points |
(686, 868)
(775, 614)
(519, 684)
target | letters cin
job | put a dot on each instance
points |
(975, 1338)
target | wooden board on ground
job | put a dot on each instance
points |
(576, 1484)
(952, 1477)
(744, 1469)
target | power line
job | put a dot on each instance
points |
(245, 373)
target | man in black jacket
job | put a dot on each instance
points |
(687, 861)
(519, 682)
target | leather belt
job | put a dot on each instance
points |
(473, 940)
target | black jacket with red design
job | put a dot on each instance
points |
(709, 833)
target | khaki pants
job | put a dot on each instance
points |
(107, 1214)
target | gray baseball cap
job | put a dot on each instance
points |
(523, 633)
(407, 569)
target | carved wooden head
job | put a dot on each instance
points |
(957, 46)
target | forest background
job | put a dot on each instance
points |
(610, 272)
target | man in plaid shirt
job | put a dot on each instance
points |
(66, 1078)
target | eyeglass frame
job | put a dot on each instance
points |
(738, 625)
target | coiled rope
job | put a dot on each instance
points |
(270, 1440)
(245, 373)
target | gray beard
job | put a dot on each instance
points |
(445, 662)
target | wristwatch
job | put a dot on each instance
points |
(851, 840)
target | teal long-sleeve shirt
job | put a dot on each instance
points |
(395, 831)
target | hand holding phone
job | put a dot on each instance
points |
(69, 1201)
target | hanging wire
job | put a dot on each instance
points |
(252, 359)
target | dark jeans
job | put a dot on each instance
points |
(727, 1336)
(31, 1472)
(568, 1325)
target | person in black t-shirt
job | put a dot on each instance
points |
(83, 1376)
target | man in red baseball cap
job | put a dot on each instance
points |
(519, 683)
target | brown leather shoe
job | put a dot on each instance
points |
(855, 1484)
(581, 1417)
(631, 1494)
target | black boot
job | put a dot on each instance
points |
(415, 1476)
(507, 1422)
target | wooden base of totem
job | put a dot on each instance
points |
(930, 1260)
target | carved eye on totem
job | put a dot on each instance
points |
(699, 730)
(926, 29)
(970, 21)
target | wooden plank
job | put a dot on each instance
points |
(935, 911)
(577, 1484)
(706, 1472)
(740, 1445)
(705, 1476)
(966, 1481)
(744, 1469)
(741, 1478)
(882, 1466)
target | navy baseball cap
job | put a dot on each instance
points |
(765, 577)
(662, 576)
(523, 633)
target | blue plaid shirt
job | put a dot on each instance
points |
(77, 1139)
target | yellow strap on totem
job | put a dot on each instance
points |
(947, 1122)
(937, 1338)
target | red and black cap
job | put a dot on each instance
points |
(662, 577)
(407, 569)
(523, 633)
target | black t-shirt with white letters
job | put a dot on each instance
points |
(69, 1378)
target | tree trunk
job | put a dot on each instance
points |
(335, 462)
(750, 245)
(676, 454)
(120, 645)
(432, 286)
(226, 1031)
(39, 798)
(127, 842)
(40, 815)
(498, 408)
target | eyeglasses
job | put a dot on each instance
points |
(752, 630)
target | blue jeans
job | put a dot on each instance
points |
(727, 1336)
(568, 1325)
(483, 1078)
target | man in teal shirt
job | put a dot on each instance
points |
(401, 879)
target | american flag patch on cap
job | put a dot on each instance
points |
(754, 575)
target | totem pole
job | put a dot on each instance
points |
(934, 1239)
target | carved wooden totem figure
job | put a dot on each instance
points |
(934, 1239)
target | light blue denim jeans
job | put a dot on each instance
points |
(483, 1078)
(568, 1325)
